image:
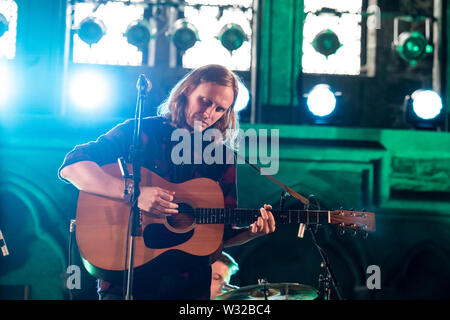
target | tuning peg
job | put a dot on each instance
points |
(341, 231)
(365, 235)
(353, 233)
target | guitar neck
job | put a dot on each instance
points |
(245, 217)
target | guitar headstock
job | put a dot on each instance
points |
(356, 220)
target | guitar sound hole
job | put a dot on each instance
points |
(157, 236)
(184, 219)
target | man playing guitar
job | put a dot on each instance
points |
(202, 100)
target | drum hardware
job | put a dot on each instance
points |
(271, 291)
(265, 291)
(225, 287)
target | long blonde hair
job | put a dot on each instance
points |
(174, 107)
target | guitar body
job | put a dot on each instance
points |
(102, 224)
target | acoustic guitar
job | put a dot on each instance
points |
(197, 230)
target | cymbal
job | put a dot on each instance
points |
(273, 291)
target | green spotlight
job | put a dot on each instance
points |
(424, 109)
(185, 35)
(326, 42)
(140, 32)
(4, 25)
(232, 36)
(321, 101)
(91, 30)
(413, 47)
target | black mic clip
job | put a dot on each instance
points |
(128, 187)
(283, 197)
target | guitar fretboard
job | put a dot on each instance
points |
(241, 216)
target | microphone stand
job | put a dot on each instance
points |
(329, 280)
(325, 282)
(135, 152)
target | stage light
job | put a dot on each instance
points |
(326, 42)
(89, 90)
(427, 104)
(424, 109)
(243, 97)
(140, 32)
(4, 25)
(232, 36)
(321, 101)
(413, 47)
(91, 30)
(185, 35)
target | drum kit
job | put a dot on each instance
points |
(270, 291)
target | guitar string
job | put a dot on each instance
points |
(206, 215)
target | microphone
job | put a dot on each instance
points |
(3, 246)
(225, 287)
(143, 84)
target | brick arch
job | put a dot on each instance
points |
(422, 272)
(42, 256)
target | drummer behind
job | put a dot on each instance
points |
(222, 270)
